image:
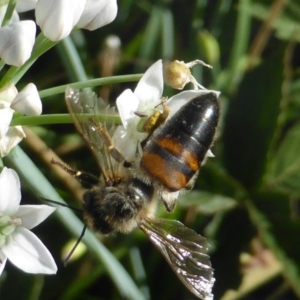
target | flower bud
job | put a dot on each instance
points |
(97, 13)
(25, 5)
(177, 74)
(12, 138)
(28, 101)
(17, 40)
(6, 114)
(8, 93)
(57, 18)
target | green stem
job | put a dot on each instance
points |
(58, 119)
(71, 60)
(9, 12)
(239, 48)
(90, 83)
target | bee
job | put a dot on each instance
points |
(127, 193)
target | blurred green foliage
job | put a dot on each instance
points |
(246, 199)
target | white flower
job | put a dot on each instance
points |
(98, 13)
(6, 114)
(25, 5)
(28, 101)
(8, 93)
(9, 136)
(12, 138)
(144, 99)
(57, 18)
(17, 243)
(17, 40)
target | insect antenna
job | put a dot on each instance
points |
(62, 204)
(66, 260)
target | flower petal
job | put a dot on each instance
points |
(127, 140)
(8, 93)
(12, 138)
(58, 18)
(3, 259)
(25, 5)
(32, 215)
(28, 253)
(17, 40)
(6, 114)
(98, 13)
(150, 87)
(127, 104)
(28, 101)
(175, 102)
(10, 194)
(15, 16)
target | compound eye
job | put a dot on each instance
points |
(133, 194)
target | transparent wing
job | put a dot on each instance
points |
(85, 108)
(184, 250)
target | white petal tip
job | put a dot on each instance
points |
(28, 101)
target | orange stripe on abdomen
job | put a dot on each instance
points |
(181, 152)
(164, 171)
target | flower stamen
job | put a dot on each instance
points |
(16, 221)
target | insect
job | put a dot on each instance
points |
(127, 193)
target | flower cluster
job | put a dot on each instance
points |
(17, 243)
(145, 99)
(56, 20)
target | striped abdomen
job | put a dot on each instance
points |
(175, 153)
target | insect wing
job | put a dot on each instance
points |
(84, 109)
(184, 250)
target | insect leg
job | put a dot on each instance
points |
(86, 179)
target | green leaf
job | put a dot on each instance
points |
(287, 25)
(209, 46)
(167, 34)
(251, 121)
(207, 203)
(233, 236)
(279, 233)
(152, 33)
(284, 168)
